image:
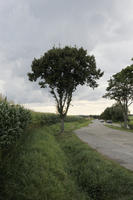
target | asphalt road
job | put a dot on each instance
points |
(115, 144)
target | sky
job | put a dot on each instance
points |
(29, 28)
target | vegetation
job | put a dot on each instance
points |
(121, 89)
(13, 121)
(47, 166)
(41, 119)
(118, 128)
(100, 178)
(62, 70)
(130, 124)
(38, 169)
(113, 113)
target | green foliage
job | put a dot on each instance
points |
(119, 128)
(49, 119)
(120, 88)
(38, 170)
(100, 178)
(62, 70)
(47, 166)
(41, 119)
(113, 113)
(74, 119)
(13, 120)
(130, 124)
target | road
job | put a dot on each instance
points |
(115, 144)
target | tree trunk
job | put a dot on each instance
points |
(125, 120)
(62, 125)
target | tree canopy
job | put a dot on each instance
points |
(113, 113)
(120, 88)
(62, 70)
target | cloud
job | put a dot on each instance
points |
(29, 28)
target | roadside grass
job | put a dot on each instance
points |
(100, 178)
(118, 128)
(130, 122)
(37, 170)
(49, 166)
(131, 118)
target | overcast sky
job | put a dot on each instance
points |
(28, 28)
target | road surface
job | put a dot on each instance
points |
(116, 144)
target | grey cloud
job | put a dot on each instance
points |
(29, 28)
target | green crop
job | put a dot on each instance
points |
(13, 120)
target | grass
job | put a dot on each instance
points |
(100, 178)
(49, 166)
(131, 118)
(118, 128)
(41, 119)
(121, 128)
(37, 170)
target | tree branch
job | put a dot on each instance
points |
(54, 94)
(68, 104)
(130, 104)
(64, 101)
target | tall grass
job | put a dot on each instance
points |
(38, 170)
(46, 166)
(99, 177)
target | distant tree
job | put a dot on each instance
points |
(120, 88)
(62, 70)
(106, 114)
(114, 113)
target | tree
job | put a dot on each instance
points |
(106, 114)
(62, 70)
(120, 88)
(114, 113)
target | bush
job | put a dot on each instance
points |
(13, 120)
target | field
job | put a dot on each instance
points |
(47, 166)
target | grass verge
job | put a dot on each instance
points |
(37, 170)
(118, 128)
(49, 166)
(100, 178)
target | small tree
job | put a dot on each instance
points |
(62, 70)
(120, 88)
